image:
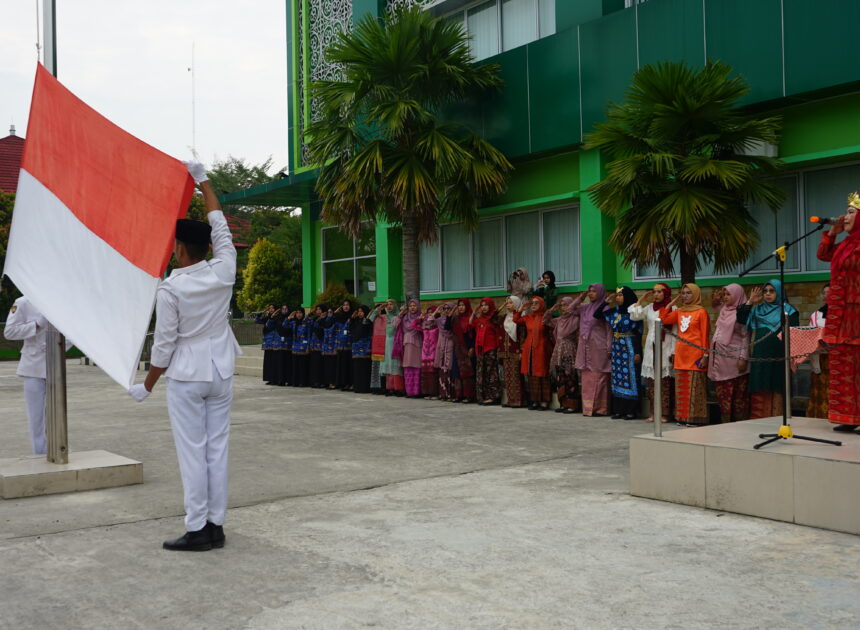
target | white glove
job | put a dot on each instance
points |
(197, 170)
(41, 322)
(138, 392)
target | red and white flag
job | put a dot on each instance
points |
(93, 226)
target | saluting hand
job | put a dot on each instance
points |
(756, 296)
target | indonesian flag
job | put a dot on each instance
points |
(93, 226)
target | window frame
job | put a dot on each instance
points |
(354, 258)
(540, 212)
(464, 22)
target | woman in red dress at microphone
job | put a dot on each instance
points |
(843, 317)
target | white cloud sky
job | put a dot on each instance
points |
(129, 60)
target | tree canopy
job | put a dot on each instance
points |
(268, 278)
(682, 169)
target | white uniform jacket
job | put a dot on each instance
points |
(191, 328)
(21, 324)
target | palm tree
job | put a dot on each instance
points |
(382, 150)
(680, 176)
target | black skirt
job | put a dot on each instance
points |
(300, 370)
(361, 375)
(316, 378)
(329, 362)
(344, 369)
(271, 368)
(285, 367)
(626, 406)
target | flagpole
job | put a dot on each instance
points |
(56, 419)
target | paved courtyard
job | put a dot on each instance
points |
(353, 511)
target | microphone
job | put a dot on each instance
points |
(826, 220)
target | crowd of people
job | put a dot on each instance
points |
(595, 350)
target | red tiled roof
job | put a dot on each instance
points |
(11, 148)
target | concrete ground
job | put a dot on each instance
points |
(351, 511)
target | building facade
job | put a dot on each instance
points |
(562, 62)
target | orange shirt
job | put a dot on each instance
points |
(693, 326)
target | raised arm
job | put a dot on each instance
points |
(222, 240)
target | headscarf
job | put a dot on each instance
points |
(845, 248)
(443, 330)
(667, 296)
(629, 298)
(586, 315)
(768, 314)
(358, 328)
(541, 305)
(728, 317)
(342, 316)
(696, 304)
(519, 286)
(491, 311)
(406, 328)
(510, 326)
(566, 323)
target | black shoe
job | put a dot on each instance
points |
(845, 428)
(533, 407)
(630, 416)
(560, 410)
(191, 541)
(216, 533)
(617, 416)
(568, 411)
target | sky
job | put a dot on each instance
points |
(130, 59)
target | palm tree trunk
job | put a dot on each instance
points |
(688, 265)
(411, 258)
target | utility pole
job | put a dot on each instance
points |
(56, 420)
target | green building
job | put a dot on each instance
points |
(562, 62)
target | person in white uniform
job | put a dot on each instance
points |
(26, 323)
(195, 347)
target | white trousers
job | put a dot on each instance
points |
(34, 395)
(200, 419)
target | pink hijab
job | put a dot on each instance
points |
(568, 322)
(586, 316)
(725, 327)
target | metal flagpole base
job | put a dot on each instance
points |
(785, 433)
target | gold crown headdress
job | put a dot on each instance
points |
(854, 200)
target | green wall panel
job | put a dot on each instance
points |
(546, 177)
(360, 7)
(608, 49)
(819, 49)
(554, 91)
(506, 113)
(831, 125)
(671, 30)
(570, 13)
(748, 36)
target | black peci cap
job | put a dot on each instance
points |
(190, 231)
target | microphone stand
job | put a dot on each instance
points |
(785, 432)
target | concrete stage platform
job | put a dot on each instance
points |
(33, 475)
(716, 467)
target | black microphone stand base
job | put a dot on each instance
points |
(786, 433)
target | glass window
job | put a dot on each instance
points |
(775, 229)
(482, 23)
(561, 244)
(487, 254)
(366, 244)
(340, 272)
(336, 244)
(519, 23)
(546, 15)
(826, 195)
(522, 242)
(455, 258)
(430, 267)
(366, 276)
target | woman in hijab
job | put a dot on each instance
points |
(762, 315)
(391, 367)
(819, 386)
(429, 372)
(317, 332)
(379, 317)
(361, 332)
(462, 371)
(691, 363)
(509, 353)
(445, 361)
(329, 350)
(647, 310)
(534, 362)
(565, 330)
(519, 283)
(408, 325)
(484, 322)
(343, 345)
(593, 353)
(843, 317)
(729, 369)
(626, 353)
(546, 289)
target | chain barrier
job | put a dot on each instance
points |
(728, 354)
